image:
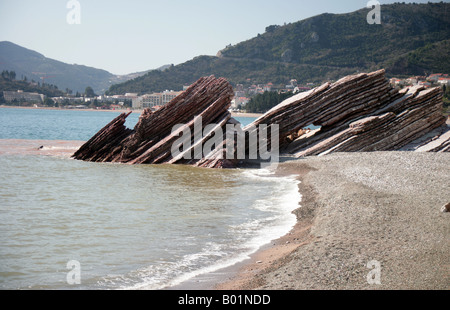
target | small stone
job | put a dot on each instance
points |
(446, 208)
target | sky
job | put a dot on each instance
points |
(136, 35)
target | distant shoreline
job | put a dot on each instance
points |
(233, 114)
(60, 109)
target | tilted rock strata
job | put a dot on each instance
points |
(358, 113)
(415, 113)
(102, 145)
(151, 140)
(330, 105)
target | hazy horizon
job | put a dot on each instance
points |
(123, 37)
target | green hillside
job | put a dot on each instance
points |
(8, 82)
(35, 66)
(412, 39)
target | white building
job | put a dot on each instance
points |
(155, 99)
(22, 96)
(168, 96)
(239, 101)
(444, 81)
(151, 101)
(136, 103)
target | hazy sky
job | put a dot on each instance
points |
(136, 35)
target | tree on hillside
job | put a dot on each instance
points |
(49, 102)
(89, 92)
(272, 28)
(9, 75)
(262, 103)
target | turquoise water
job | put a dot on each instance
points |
(37, 124)
(128, 227)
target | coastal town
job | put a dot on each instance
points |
(154, 101)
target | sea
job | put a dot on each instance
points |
(74, 225)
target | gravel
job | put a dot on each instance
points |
(375, 223)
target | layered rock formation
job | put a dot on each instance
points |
(152, 139)
(359, 113)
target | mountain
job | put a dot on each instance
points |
(39, 68)
(8, 83)
(130, 76)
(412, 39)
(36, 66)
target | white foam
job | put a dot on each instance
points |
(59, 148)
(259, 233)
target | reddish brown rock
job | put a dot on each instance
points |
(358, 113)
(446, 208)
(152, 138)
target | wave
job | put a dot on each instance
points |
(249, 237)
(256, 206)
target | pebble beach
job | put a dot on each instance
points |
(365, 221)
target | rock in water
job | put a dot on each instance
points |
(150, 142)
(358, 113)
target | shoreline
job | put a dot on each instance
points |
(357, 208)
(247, 274)
(211, 280)
(244, 275)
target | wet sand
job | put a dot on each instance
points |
(60, 148)
(358, 208)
